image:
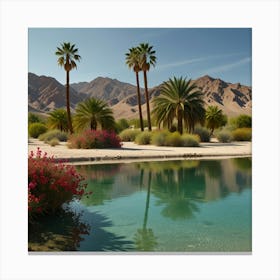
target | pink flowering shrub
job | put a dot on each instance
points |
(94, 139)
(51, 184)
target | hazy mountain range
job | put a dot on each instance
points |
(46, 94)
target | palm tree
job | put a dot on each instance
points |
(93, 112)
(58, 120)
(147, 58)
(67, 57)
(214, 118)
(132, 60)
(179, 98)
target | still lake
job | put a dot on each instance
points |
(160, 206)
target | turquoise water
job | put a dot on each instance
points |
(163, 206)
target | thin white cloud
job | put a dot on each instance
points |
(194, 60)
(229, 66)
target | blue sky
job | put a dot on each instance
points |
(189, 52)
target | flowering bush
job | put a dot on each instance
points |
(51, 184)
(94, 139)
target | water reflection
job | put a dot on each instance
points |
(145, 240)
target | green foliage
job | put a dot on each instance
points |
(159, 138)
(58, 120)
(94, 113)
(174, 139)
(35, 129)
(214, 118)
(34, 118)
(143, 138)
(242, 134)
(121, 125)
(136, 123)
(190, 140)
(53, 142)
(224, 136)
(129, 134)
(60, 135)
(242, 121)
(180, 99)
(203, 133)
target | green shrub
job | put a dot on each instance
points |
(242, 134)
(242, 121)
(189, 140)
(129, 134)
(136, 123)
(33, 118)
(60, 135)
(35, 129)
(174, 139)
(143, 138)
(203, 133)
(53, 142)
(121, 125)
(224, 136)
(159, 138)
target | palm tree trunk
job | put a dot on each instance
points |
(139, 102)
(68, 104)
(147, 101)
(180, 122)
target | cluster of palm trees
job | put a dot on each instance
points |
(180, 99)
(139, 59)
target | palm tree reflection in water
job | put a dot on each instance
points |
(145, 240)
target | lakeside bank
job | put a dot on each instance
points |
(133, 152)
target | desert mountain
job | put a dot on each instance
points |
(46, 93)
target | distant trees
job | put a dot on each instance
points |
(214, 118)
(180, 99)
(93, 113)
(67, 58)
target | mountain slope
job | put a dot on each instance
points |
(45, 94)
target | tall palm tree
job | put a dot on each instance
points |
(58, 119)
(67, 57)
(214, 118)
(132, 60)
(182, 99)
(93, 112)
(147, 58)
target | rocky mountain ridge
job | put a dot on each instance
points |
(46, 94)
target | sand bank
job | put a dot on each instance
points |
(133, 152)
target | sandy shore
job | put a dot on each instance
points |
(131, 151)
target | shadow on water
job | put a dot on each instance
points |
(101, 240)
(69, 231)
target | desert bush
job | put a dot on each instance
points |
(241, 121)
(136, 123)
(203, 133)
(35, 129)
(50, 184)
(224, 136)
(129, 134)
(174, 139)
(190, 140)
(159, 138)
(53, 142)
(94, 139)
(242, 134)
(60, 135)
(121, 125)
(34, 118)
(143, 138)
